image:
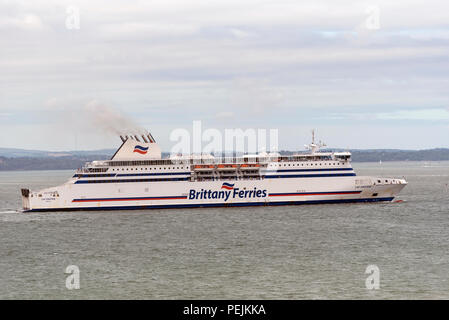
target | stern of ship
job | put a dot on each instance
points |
(43, 200)
(26, 206)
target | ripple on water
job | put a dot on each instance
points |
(290, 252)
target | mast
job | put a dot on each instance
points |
(313, 147)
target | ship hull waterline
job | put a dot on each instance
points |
(185, 194)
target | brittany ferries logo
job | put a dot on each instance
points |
(140, 149)
(227, 186)
(228, 192)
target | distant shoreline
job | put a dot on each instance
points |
(56, 161)
(75, 168)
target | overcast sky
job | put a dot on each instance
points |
(365, 74)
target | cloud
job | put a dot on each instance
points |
(25, 22)
(240, 33)
(225, 115)
(142, 29)
(255, 96)
(264, 62)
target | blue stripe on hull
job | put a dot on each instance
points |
(310, 170)
(188, 178)
(131, 180)
(152, 174)
(309, 175)
(242, 204)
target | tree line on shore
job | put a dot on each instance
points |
(77, 161)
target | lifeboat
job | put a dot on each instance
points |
(204, 167)
(223, 167)
(250, 166)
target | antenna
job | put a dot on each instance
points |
(314, 147)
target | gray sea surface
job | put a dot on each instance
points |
(289, 252)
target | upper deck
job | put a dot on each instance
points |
(335, 158)
(135, 159)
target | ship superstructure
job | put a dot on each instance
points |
(137, 177)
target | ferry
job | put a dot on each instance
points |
(137, 177)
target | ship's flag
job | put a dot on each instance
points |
(140, 149)
(227, 186)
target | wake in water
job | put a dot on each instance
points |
(10, 211)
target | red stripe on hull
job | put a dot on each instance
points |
(140, 151)
(311, 194)
(128, 199)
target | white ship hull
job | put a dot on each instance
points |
(185, 194)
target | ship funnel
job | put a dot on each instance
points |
(147, 138)
(150, 137)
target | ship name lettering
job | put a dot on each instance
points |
(226, 194)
